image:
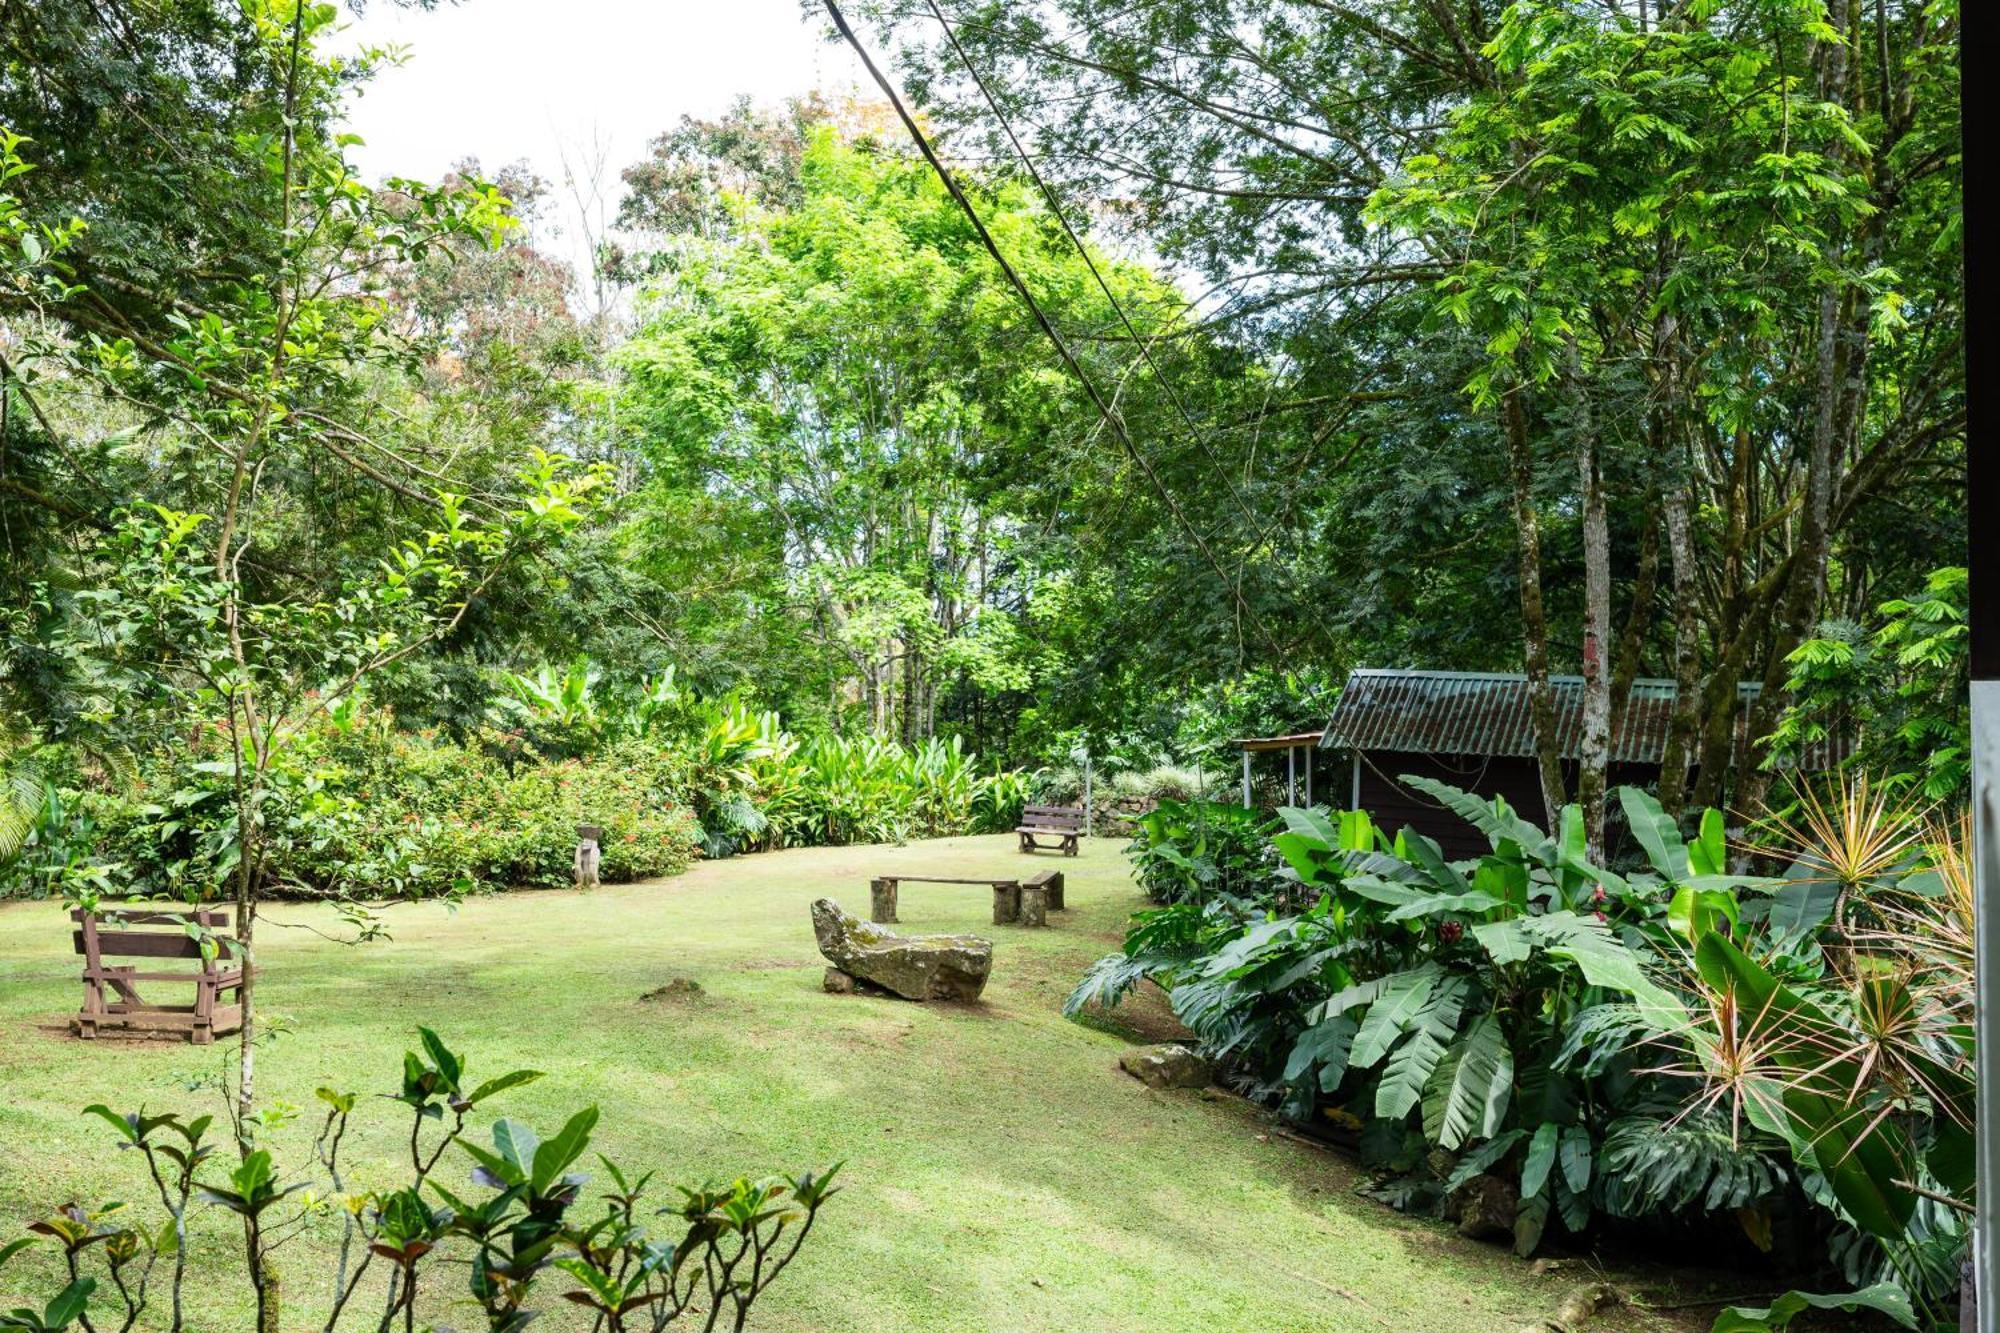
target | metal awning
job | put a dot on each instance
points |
(1262, 743)
(1307, 741)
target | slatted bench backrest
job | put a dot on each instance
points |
(120, 933)
(1056, 818)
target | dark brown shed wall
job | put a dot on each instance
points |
(1394, 806)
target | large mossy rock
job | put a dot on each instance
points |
(916, 967)
(1168, 1065)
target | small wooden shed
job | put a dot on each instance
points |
(1475, 731)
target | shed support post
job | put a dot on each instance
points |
(1354, 802)
(1309, 775)
(1246, 779)
(1291, 775)
(1089, 797)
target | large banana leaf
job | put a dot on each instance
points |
(1885, 1297)
(1468, 1095)
(1410, 1068)
(1495, 818)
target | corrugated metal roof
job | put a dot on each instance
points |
(1487, 713)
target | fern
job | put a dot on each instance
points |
(21, 799)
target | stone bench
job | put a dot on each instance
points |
(1025, 902)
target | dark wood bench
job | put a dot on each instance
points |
(1027, 902)
(150, 933)
(1062, 823)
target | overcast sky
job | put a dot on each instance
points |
(506, 80)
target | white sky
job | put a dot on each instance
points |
(506, 80)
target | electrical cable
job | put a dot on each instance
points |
(1112, 420)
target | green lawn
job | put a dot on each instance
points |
(1001, 1172)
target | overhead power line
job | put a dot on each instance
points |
(1062, 219)
(1112, 420)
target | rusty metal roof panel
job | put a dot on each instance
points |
(1487, 713)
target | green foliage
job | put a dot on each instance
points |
(1681, 1041)
(1884, 1297)
(1895, 695)
(1195, 850)
(722, 1245)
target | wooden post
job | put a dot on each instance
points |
(1089, 797)
(1006, 901)
(1246, 778)
(1309, 775)
(1291, 775)
(1034, 904)
(882, 901)
(93, 981)
(587, 855)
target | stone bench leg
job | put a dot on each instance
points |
(882, 901)
(1006, 902)
(1034, 905)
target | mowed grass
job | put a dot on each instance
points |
(1001, 1173)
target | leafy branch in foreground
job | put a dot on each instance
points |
(708, 1256)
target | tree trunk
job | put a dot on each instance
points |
(1638, 622)
(1534, 622)
(1687, 650)
(1594, 741)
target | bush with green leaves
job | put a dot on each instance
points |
(508, 1217)
(1609, 1043)
(357, 807)
(1894, 693)
(1197, 850)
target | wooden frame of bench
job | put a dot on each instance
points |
(1043, 893)
(1064, 823)
(113, 934)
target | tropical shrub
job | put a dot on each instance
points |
(1684, 1042)
(511, 1218)
(359, 807)
(1198, 850)
(1895, 694)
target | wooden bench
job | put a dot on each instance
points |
(1063, 823)
(1027, 902)
(150, 933)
